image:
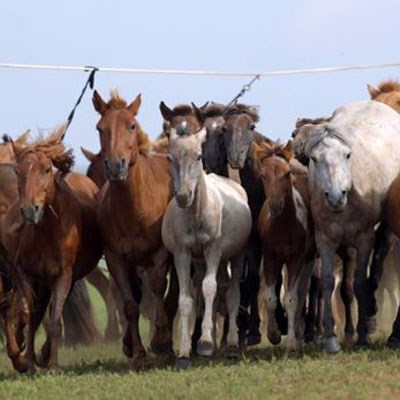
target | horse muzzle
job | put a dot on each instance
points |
(32, 214)
(184, 199)
(117, 171)
(336, 203)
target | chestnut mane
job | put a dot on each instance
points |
(52, 146)
(267, 150)
(389, 86)
(116, 102)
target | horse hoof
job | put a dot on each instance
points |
(274, 338)
(127, 350)
(22, 365)
(205, 349)
(161, 348)
(182, 363)
(253, 339)
(331, 345)
(348, 343)
(372, 325)
(393, 342)
(362, 343)
(232, 352)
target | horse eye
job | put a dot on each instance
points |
(348, 155)
(252, 127)
(169, 157)
(47, 170)
(314, 160)
(132, 128)
(199, 157)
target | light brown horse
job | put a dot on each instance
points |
(6, 148)
(387, 92)
(286, 228)
(52, 237)
(131, 207)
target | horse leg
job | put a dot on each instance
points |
(118, 267)
(171, 299)
(102, 285)
(363, 254)
(212, 256)
(60, 290)
(272, 267)
(42, 298)
(162, 338)
(312, 309)
(382, 245)
(254, 254)
(182, 261)
(347, 294)
(327, 251)
(232, 305)
(394, 338)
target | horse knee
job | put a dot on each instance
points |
(131, 310)
(54, 329)
(185, 305)
(209, 286)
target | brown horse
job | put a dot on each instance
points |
(52, 237)
(131, 207)
(387, 92)
(287, 232)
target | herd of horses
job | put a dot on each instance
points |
(179, 233)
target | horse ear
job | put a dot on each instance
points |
(256, 149)
(166, 112)
(23, 138)
(288, 149)
(199, 113)
(204, 106)
(88, 154)
(373, 91)
(99, 104)
(6, 138)
(134, 106)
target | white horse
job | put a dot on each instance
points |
(354, 157)
(208, 222)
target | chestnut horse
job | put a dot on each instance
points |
(131, 207)
(387, 92)
(52, 237)
(286, 228)
(6, 148)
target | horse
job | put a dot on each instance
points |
(239, 132)
(387, 92)
(51, 234)
(207, 223)
(349, 181)
(286, 229)
(130, 210)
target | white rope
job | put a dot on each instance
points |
(199, 72)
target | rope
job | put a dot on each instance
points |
(202, 72)
(89, 82)
(245, 88)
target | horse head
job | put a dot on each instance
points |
(35, 175)
(121, 137)
(330, 157)
(273, 161)
(238, 130)
(185, 150)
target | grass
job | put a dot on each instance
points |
(102, 372)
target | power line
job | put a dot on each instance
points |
(200, 72)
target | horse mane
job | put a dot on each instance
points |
(52, 146)
(321, 134)
(116, 102)
(182, 110)
(251, 111)
(277, 148)
(390, 85)
(214, 110)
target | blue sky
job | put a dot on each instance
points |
(214, 35)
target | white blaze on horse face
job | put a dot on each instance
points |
(301, 210)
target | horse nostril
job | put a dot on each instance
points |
(105, 162)
(36, 208)
(123, 162)
(22, 210)
(326, 194)
(344, 192)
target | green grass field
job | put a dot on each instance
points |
(102, 372)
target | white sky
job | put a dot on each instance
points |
(230, 35)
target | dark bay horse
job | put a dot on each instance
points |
(286, 227)
(239, 132)
(131, 207)
(52, 237)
